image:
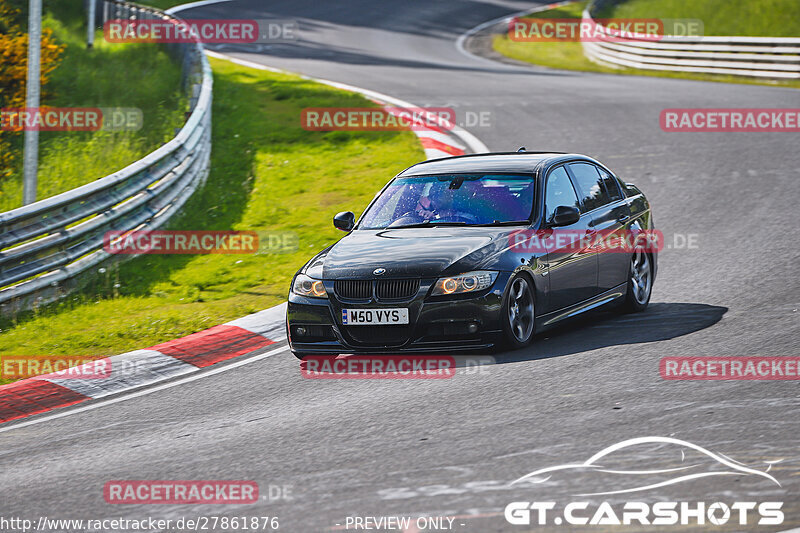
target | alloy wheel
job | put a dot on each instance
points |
(641, 276)
(520, 310)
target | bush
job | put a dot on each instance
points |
(13, 72)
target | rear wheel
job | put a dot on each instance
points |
(640, 282)
(518, 313)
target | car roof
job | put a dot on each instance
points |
(524, 162)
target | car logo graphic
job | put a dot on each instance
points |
(379, 271)
(677, 475)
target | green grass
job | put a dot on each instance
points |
(556, 54)
(569, 55)
(767, 18)
(110, 75)
(162, 4)
(267, 174)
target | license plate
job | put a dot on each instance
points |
(367, 317)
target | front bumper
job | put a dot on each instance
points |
(436, 324)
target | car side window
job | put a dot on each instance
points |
(590, 183)
(559, 191)
(611, 185)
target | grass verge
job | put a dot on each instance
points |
(569, 55)
(267, 174)
(764, 18)
(162, 4)
(110, 75)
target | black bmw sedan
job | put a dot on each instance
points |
(475, 252)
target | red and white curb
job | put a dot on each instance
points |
(141, 368)
(443, 141)
(462, 39)
(435, 140)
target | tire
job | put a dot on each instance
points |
(518, 313)
(640, 282)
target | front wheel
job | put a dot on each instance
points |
(640, 282)
(518, 313)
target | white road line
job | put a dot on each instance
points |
(268, 323)
(433, 153)
(470, 140)
(466, 137)
(146, 391)
(190, 5)
(129, 370)
(437, 136)
(462, 39)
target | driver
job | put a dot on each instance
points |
(425, 208)
(435, 204)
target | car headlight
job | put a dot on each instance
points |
(305, 286)
(469, 282)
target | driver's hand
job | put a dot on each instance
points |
(424, 208)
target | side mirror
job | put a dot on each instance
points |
(345, 220)
(565, 215)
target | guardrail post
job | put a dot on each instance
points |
(49, 246)
(32, 90)
(91, 23)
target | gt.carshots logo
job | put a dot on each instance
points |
(642, 513)
(613, 464)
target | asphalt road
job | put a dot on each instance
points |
(451, 447)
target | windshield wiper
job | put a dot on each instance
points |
(427, 224)
(505, 223)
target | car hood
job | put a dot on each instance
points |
(410, 252)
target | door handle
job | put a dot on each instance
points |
(623, 218)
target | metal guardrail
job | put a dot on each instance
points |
(763, 57)
(47, 245)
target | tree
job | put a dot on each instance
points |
(14, 68)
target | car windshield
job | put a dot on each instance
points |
(453, 199)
